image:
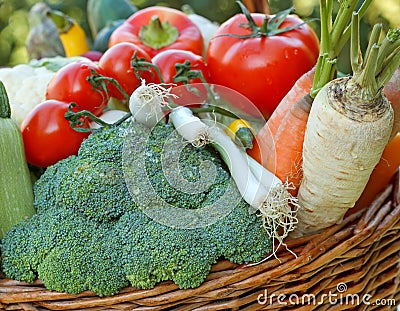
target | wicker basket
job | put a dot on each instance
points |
(358, 261)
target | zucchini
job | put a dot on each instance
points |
(101, 13)
(16, 193)
(103, 37)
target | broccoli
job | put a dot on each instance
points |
(68, 252)
(92, 183)
(91, 232)
(176, 152)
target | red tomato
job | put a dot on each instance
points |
(47, 135)
(261, 67)
(167, 60)
(157, 28)
(70, 84)
(116, 63)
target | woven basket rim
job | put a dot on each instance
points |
(331, 250)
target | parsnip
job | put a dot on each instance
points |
(349, 125)
(341, 148)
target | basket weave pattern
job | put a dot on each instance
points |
(362, 254)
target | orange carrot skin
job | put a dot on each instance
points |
(392, 92)
(286, 161)
(301, 88)
(262, 146)
(264, 140)
(381, 175)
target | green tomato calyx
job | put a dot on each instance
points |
(157, 34)
(271, 25)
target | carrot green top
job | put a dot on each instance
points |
(380, 61)
(334, 35)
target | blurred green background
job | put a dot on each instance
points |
(14, 26)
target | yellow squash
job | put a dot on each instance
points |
(72, 35)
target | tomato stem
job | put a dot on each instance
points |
(114, 82)
(252, 24)
(157, 34)
(78, 119)
(122, 120)
(269, 27)
(99, 83)
(185, 73)
(141, 64)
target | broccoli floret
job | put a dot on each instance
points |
(48, 185)
(92, 185)
(106, 145)
(95, 189)
(91, 233)
(67, 251)
(241, 238)
(33, 239)
(166, 157)
(85, 262)
(16, 247)
(149, 259)
(189, 253)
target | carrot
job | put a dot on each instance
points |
(265, 138)
(259, 6)
(300, 89)
(288, 168)
(349, 125)
(381, 175)
(392, 92)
